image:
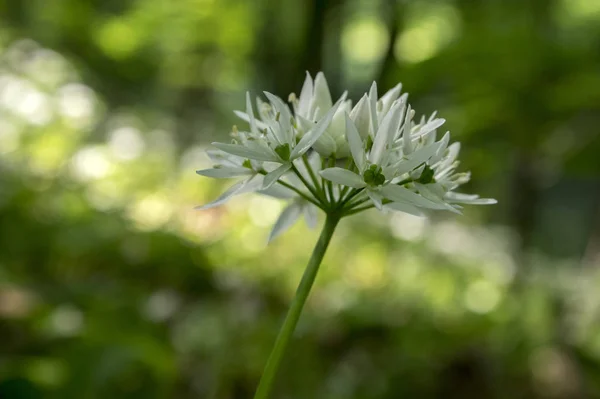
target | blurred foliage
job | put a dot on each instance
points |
(111, 285)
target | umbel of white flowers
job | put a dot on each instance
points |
(341, 158)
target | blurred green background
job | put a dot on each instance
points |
(112, 286)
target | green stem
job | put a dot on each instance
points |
(360, 209)
(311, 173)
(300, 193)
(329, 183)
(310, 188)
(297, 191)
(363, 208)
(356, 203)
(352, 194)
(289, 325)
(323, 167)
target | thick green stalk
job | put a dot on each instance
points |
(289, 325)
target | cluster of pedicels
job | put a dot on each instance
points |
(340, 158)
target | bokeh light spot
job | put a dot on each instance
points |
(126, 143)
(66, 320)
(263, 211)
(118, 38)
(429, 28)
(407, 227)
(91, 163)
(482, 296)
(151, 212)
(76, 103)
(364, 40)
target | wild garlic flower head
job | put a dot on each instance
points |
(341, 158)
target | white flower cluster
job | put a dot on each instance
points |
(339, 158)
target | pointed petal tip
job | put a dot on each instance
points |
(487, 201)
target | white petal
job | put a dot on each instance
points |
(405, 166)
(389, 97)
(337, 128)
(451, 155)
(355, 142)
(373, 108)
(284, 117)
(224, 172)
(460, 196)
(244, 116)
(253, 184)
(429, 138)
(388, 128)
(233, 190)
(376, 199)
(314, 161)
(249, 185)
(415, 159)
(342, 149)
(313, 135)
(263, 147)
(257, 153)
(263, 109)
(304, 125)
(416, 173)
(441, 150)
(423, 154)
(305, 96)
(437, 190)
(325, 145)
(219, 157)
(294, 180)
(432, 192)
(468, 199)
(279, 192)
(402, 101)
(250, 113)
(482, 201)
(310, 215)
(428, 127)
(286, 220)
(400, 194)
(344, 177)
(404, 207)
(273, 176)
(322, 96)
(406, 136)
(429, 193)
(360, 116)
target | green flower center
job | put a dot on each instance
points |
(283, 150)
(374, 176)
(426, 176)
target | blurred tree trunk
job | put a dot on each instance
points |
(286, 71)
(392, 10)
(591, 257)
(525, 197)
(311, 58)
